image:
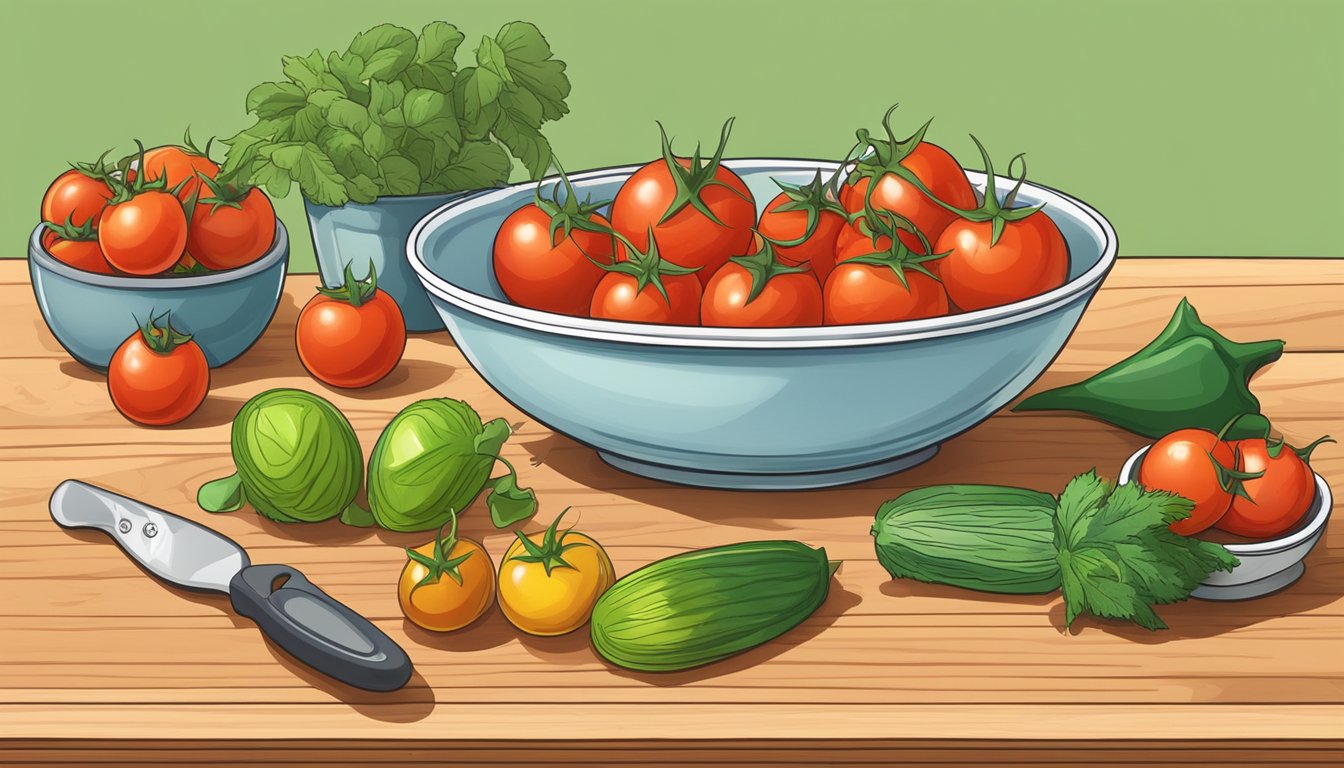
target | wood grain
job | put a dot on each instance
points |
(885, 672)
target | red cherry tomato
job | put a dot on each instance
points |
(785, 226)
(76, 246)
(689, 237)
(231, 232)
(784, 298)
(932, 165)
(76, 197)
(1183, 463)
(144, 235)
(158, 376)
(351, 336)
(1276, 501)
(618, 297)
(872, 293)
(545, 273)
(1029, 259)
(179, 164)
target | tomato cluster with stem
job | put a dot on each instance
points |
(903, 207)
(1255, 487)
(158, 211)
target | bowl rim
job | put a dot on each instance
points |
(1321, 505)
(773, 338)
(279, 251)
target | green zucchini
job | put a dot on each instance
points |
(984, 537)
(699, 607)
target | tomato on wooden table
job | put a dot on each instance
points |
(544, 252)
(230, 225)
(645, 288)
(997, 254)
(447, 583)
(159, 375)
(550, 581)
(804, 221)
(701, 212)
(1277, 500)
(76, 246)
(761, 291)
(883, 282)
(889, 177)
(351, 336)
(79, 195)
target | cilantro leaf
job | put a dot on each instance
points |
(478, 165)
(434, 64)
(275, 99)
(517, 127)
(400, 175)
(310, 72)
(386, 50)
(1118, 556)
(312, 169)
(529, 62)
(393, 114)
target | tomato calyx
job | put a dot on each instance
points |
(68, 230)
(690, 182)
(1305, 453)
(125, 189)
(997, 212)
(193, 268)
(812, 198)
(647, 267)
(190, 146)
(550, 553)
(568, 214)
(1230, 479)
(161, 337)
(220, 193)
(98, 170)
(438, 564)
(897, 257)
(763, 266)
(351, 291)
(884, 156)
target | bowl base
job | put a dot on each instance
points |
(761, 481)
(1257, 588)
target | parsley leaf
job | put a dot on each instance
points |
(394, 115)
(1118, 556)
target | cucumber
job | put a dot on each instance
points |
(983, 537)
(699, 607)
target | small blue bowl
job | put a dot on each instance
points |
(750, 408)
(91, 314)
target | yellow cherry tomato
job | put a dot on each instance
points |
(447, 583)
(550, 581)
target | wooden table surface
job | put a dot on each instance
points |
(99, 662)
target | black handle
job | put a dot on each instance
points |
(317, 630)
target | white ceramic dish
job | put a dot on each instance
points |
(1266, 566)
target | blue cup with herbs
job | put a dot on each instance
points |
(382, 134)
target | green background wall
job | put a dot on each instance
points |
(1201, 127)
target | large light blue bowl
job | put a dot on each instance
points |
(750, 408)
(92, 314)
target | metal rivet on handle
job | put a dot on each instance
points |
(151, 529)
(124, 526)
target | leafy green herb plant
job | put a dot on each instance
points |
(394, 115)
